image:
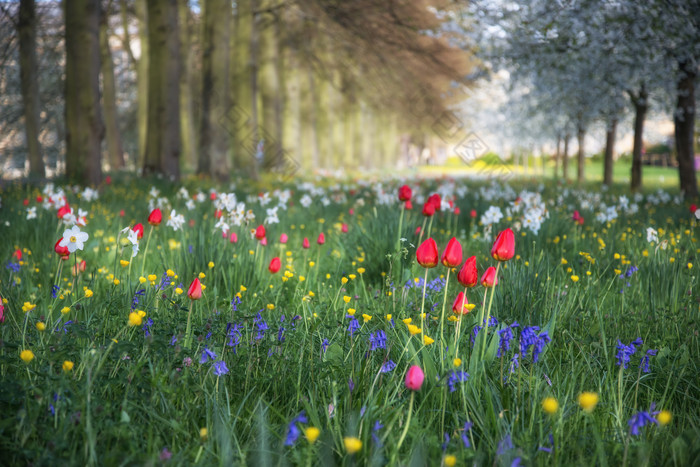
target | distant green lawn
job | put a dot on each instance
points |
(652, 177)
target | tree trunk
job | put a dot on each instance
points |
(214, 142)
(82, 87)
(609, 151)
(640, 109)
(565, 156)
(314, 103)
(115, 152)
(254, 53)
(684, 122)
(557, 157)
(163, 144)
(187, 115)
(26, 29)
(142, 68)
(270, 90)
(580, 136)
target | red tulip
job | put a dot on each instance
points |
(414, 378)
(121, 213)
(457, 211)
(460, 303)
(218, 213)
(468, 276)
(405, 193)
(408, 205)
(489, 278)
(62, 251)
(138, 228)
(65, 209)
(195, 290)
(504, 247)
(351, 211)
(17, 254)
(2, 312)
(427, 254)
(576, 216)
(344, 228)
(417, 230)
(452, 256)
(155, 217)
(435, 200)
(39, 199)
(305, 243)
(428, 209)
(233, 238)
(260, 232)
(26, 201)
(321, 239)
(108, 180)
(283, 238)
(275, 265)
(212, 196)
(191, 223)
(693, 208)
(472, 213)
(78, 268)
(263, 242)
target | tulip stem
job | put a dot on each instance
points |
(459, 322)
(442, 322)
(422, 303)
(488, 311)
(145, 252)
(408, 422)
(188, 336)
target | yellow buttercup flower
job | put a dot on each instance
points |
(26, 356)
(351, 311)
(413, 329)
(124, 263)
(346, 299)
(27, 307)
(428, 340)
(450, 460)
(311, 434)
(203, 433)
(135, 319)
(41, 327)
(366, 317)
(352, 444)
(550, 405)
(65, 310)
(152, 278)
(664, 417)
(574, 278)
(67, 366)
(588, 401)
(170, 272)
(457, 362)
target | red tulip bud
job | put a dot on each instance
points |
(195, 290)
(428, 209)
(218, 213)
(427, 254)
(414, 378)
(435, 200)
(138, 228)
(121, 213)
(62, 251)
(263, 242)
(460, 303)
(233, 238)
(321, 239)
(452, 256)
(260, 232)
(155, 217)
(305, 243)
(283, 238)
(405, 193)
(472, 213)
(275, 265)
(344, 228)
(408, 205)
(504, 247)
(17, 254)
(693, 208)
(489, 278)
(457, 211)
(26, 202)
(468, 275)
(65, 209)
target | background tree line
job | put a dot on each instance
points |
(216, 87)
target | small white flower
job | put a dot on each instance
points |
(652, 235)
(31, 213)
(74, 239)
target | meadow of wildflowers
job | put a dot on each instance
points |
(326, 322)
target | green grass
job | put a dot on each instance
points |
(137, 399)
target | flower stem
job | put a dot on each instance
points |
(488, 312)
(408, 422)
(442, 322)
(188, 335)
(145, 252)
(422, 304)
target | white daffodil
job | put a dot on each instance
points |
(74, 239)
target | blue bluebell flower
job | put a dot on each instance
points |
(235, 302)
(220, 368)
(261, 326)
(542, 340)
(354, 326)
(624, 352)
(388, 366)
(505, 335)
(528, 337)
(14, 267)
(147, 327)
(377, 340)
(456, 377)
(645, 361)
(465, 439)
(207, 355)
(375, 432)
(137, 297)
(293, 431)
(639, 420)
(54, 291)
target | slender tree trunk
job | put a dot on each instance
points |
(142, 70)
(187, 114)
(609, 151)
(30, 86)
(214, 141)
(254, 55)
(581, 137)
(557, 157)
(163, 145)
(565, 157)
(115, 151)
(82, 86)
(240, 113)
(314, 103)
(684, 121)
(270, 90)
(640, 110)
